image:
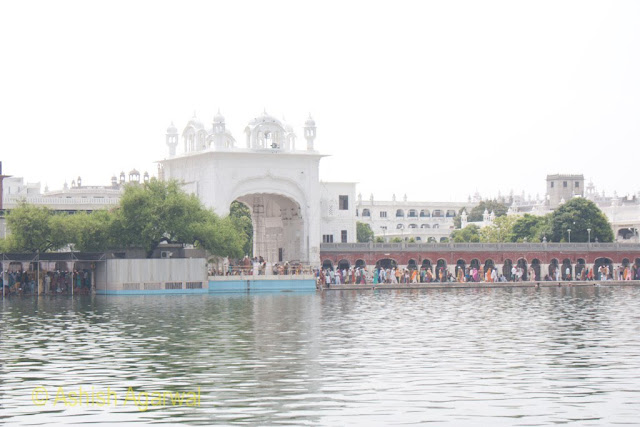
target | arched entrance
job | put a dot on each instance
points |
(327, 264)
(278, 227)
(488, 266)
(360, 263)
(535, 266)
(506, 269)
(567, 269)
(441, 270)
(426, 264)
(607, 269)
(386, 263)
(412, 265)
(343, 264)
(460, 269)
(554, 269)
(522, 268)
(580, 266)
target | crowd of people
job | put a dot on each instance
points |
(53, 282)
(257, 266)
(468, 274)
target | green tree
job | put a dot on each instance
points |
(499, 209)
(469, 234)
(396, 240)
(379, 239)
(219, 236)
(577, 215)
(35, 228)
(500, 231)
(240, 215)
(533, 228)
(158, 211)
(363, 232)
(93, 232)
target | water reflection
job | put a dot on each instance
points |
(516, 356)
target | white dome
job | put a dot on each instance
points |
(310, 121)
(195, 122)
(265, 119)
(172, 130)
(218, 118)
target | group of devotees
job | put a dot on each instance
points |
(489, 274)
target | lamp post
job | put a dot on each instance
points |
(569, 233)
(589, 234)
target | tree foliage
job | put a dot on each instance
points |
(35, 229)
(363, 232)
(240, 215)
(532, 228)
(578, 215)
(469, 234)
(499, 209)
(148, 215)
(500, 231)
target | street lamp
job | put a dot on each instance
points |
(589, 233)
(569, 233)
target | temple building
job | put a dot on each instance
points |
(271, 173)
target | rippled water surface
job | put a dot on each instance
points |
(457, 357)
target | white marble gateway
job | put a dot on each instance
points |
(277, 179)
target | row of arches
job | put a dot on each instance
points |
(413, 213)
(401, 226)
(557, 269)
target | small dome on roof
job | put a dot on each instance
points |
(172, 130)
(218, 118)
(310, 121)
(134, 172)
(195, 122)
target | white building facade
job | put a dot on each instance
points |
(270, 173)
(410, 220)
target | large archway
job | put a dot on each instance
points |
(278, 227)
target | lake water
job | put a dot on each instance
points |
(450, 357)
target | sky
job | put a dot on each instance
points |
(433, 99)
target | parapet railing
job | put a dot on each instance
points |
(54, 201)
(448, 247)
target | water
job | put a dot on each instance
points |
(449, 357)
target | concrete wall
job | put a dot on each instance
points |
(152, 276)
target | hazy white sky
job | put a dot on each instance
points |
(433, 99)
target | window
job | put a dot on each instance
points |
(343, 203)
(280, 254)
(424, 213)
(437, 213)
(551, 184)
(413, 226)
(366, 212)
(343, 236)
(399, 213)
(400, 226)
(577, 184)
(383, 214)
(564, 184)
(327, 238)
(383, 227)
(413, 213)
